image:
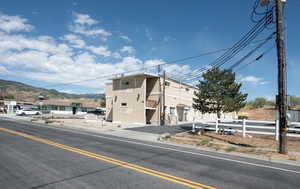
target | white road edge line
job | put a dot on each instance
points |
(176, 150)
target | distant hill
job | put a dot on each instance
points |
(21, 91)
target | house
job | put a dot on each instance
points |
(139, 98)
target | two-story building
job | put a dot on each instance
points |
(139, 99)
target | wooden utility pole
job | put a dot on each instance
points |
(281, 103)
(163, 117)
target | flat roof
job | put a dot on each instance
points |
(152, 75)
(137, 74)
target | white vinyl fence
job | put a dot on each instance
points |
(249, 126)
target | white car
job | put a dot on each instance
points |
(28, 112)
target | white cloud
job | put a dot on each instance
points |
(253, 80)
(4, 71)
(126, 38)
(56, 60)
(83, 25)
(14, 23)
(83, 19)
(74, 40)
(101, 50)
(128, 49)
(168, 38)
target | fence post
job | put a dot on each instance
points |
(277, 130)
(193, 125)
(217, 125)
(244, 128)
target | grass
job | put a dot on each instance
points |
(49, 121)
(230, 149)
(204, 142)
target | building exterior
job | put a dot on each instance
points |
(65, 107)
(139, 99)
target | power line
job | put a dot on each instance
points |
(257, 58)
(251, 52)
(140, 69)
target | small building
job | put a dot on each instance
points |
(138, 99)
(57, 106)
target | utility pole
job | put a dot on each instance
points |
(163, 99)
(281, 103)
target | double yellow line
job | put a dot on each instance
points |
(131, 166)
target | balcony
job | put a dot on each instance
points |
(151, 104)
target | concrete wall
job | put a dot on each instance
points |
(133, 95)
(126, 101)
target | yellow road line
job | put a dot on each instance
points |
(131, 166)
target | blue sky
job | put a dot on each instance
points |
(50, 43)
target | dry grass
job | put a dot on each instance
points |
(267, 113)
(261, 145)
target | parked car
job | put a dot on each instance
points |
(24, 112)
(97, 112)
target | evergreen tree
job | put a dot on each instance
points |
(219, 92)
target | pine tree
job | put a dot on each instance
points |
(219, 92)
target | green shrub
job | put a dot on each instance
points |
(204, 142)
(230, 149)
(242, 117)
(49, 121)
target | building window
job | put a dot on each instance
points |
(123, 104)
(172, 110)
(125, 83)
(167, 83)
(187, 89)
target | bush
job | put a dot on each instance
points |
(230, 149)
(242, 117)
(259, 103)
(204, 142)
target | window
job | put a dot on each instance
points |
(187, 89)
(172, 110)
(167, 83)
(123, 104)
(125, 83)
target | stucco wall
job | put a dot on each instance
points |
(133, 95)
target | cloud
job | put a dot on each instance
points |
(168, 39)
(74, 40)
(128, 49)
(253, 80)
(69, 58)
(83, 24)
(100, 50)
(83, 19)
(4, 71)
(126, 38)
(14, 23)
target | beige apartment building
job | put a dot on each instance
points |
(139, 98)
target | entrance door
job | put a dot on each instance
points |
(74, 110)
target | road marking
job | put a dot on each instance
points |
(131, 166)
(182, 151)
(172, 149)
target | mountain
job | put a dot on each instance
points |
(24, 92)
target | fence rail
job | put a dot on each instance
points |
(249, 126)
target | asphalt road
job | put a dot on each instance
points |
(34, 157)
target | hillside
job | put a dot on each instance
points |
(24, 92)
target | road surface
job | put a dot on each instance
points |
(33, 157)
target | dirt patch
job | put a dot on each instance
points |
(261, 145)
(266, 113)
